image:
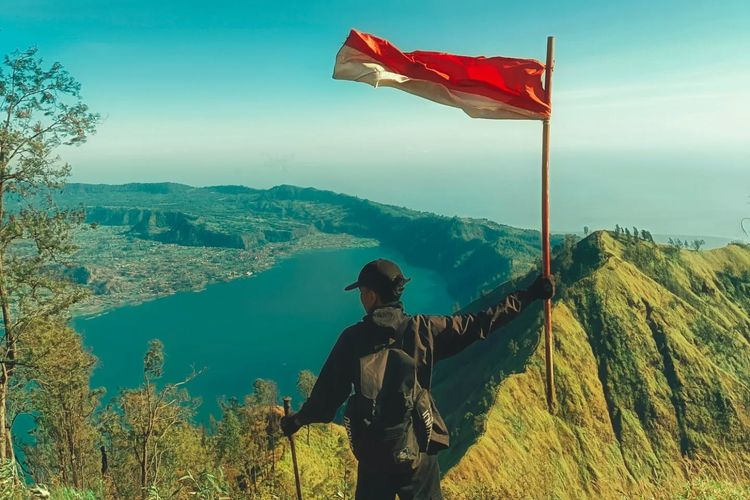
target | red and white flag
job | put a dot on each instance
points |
(484, 87)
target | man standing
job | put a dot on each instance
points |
(428, 339)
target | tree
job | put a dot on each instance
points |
(265, 392)
(617, 229)
(697, 244)
(585, 230)
(229, 434)
(150, 419)
(40, 110)
(636, 233)
(242, 446)
(305, 383)
(66, 441)
(247, 441)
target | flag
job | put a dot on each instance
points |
(483, 87)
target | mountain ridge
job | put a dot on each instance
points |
(652, 355)
(469, 253)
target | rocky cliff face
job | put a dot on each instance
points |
(168, 227)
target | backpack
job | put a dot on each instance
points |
(388, 419)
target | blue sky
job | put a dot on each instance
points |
(649, 121)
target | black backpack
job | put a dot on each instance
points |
(389, 417)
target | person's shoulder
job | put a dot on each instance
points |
(422, 322)
(425, 319)
(430, 322)
(352, 330)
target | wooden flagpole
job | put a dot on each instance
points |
(550, 376)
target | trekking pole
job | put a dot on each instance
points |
(287, 407)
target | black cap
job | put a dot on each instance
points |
(380, 275)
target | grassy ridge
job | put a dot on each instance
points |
(652, 370)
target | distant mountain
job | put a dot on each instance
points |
(471, 254)
(163, 188)
(652, 354)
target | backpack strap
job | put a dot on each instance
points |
(401, 338)
(416, 381)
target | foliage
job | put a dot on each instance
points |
(66, 493)
(624, 234)
(250, 449)
(265, 393)
(148, 430)
(56, 390)
(40, 110)
(247, 440)
(207, 486)
(305, 383)
(10, 487)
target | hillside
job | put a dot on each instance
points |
(191, 236)
(653, 380)
(471, 254)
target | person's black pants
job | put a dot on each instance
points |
(423, 483)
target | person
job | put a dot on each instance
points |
(381, 284)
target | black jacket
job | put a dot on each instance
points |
(439, 337)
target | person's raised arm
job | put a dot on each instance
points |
(452, 334)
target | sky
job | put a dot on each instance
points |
(649, 124)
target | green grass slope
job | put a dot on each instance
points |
(327, 466)
(652, 353)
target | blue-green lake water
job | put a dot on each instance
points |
(268, 326)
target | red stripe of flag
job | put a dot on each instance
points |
(484, 87)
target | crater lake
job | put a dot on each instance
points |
(270, 326)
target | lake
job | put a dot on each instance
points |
(269, 326)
